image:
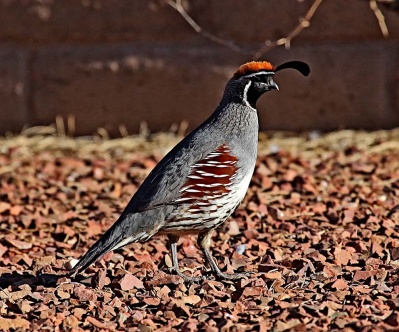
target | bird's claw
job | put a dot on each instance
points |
(192, 279)
(189, 279)
(233, 276)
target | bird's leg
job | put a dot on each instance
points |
(173, 239)
(204, 242)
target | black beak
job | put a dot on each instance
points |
(302, 67)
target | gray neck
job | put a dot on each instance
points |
(234, 112)
(236, 92)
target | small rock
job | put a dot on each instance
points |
(72, 262)
(240, 249)
(129, 281)
(99, 279)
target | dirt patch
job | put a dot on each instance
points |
(312, 228)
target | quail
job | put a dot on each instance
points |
(201, 181)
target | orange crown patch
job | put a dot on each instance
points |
(253, 67)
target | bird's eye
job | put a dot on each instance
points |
(260, 78)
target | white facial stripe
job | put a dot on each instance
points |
(245, 96)
(258, 73)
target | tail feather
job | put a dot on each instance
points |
(128, 228)
(109, 241)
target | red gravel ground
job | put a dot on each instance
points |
(313, 228)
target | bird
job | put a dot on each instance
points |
(200, 182)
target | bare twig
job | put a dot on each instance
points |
(286, 41)
(60, 125)
(178, 6)
(71, 125)
(380, 17)
(123, 130)
(268, 45)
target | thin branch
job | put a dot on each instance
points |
(286, 41)
(178, 6)
(380, 17)
(268, 45)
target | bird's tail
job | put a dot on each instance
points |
(127, 229)
(112, 239)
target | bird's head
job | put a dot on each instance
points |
(256, 78)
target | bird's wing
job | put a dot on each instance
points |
(162, 186)
(208, 177)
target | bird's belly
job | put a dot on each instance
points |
(206, 213)
(196, 219)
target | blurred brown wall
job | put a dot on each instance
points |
(128, 61)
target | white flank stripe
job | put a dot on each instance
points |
(205, 173)
(185, 188)
(184, 199)
(195, 177)
(211, 185)
(194, 210)
(193, 191)
(212, 197)
(199, 165)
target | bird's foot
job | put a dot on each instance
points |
(189, 279)
(232, 276)
(215, 269)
